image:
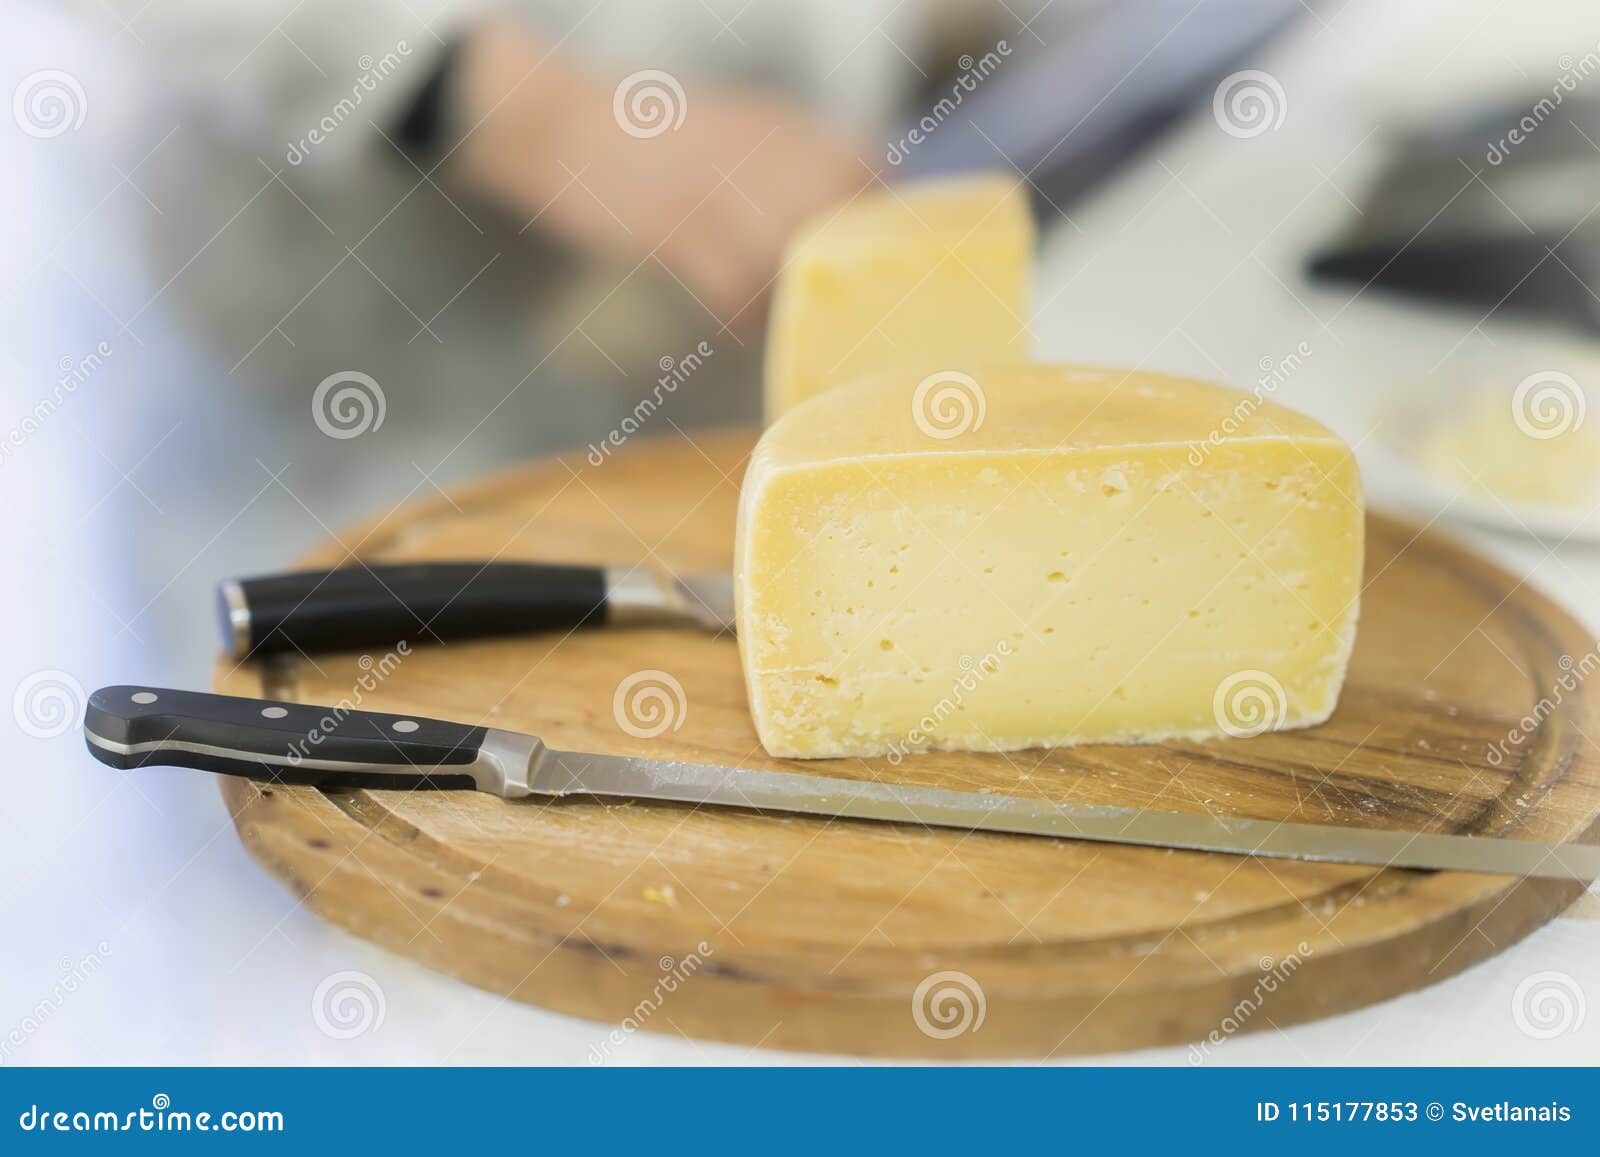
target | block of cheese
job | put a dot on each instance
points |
(1043, 555)
(921, 275)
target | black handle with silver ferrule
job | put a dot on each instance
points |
(298, 743)
(357, 606)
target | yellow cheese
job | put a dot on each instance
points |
(1498, 445)
(1037, 556)
(920, 275)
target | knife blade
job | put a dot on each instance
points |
(130, 726)
(364, 605)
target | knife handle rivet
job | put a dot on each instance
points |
(144, 696)
(406, 725)
(274, 712)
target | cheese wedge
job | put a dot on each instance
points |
(1035, 556)
(922, 275)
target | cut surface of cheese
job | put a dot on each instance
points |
(1037, 556)
(921, 275)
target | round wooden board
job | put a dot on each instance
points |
(804, 934)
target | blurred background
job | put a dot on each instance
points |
(220, 216)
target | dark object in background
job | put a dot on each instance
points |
(1523, 235)
(1070, 114)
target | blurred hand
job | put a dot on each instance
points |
(715, 198)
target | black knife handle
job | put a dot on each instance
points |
(354, 607)
(134, 726)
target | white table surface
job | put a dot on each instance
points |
(125, 508)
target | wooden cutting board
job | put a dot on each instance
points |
(851, 937)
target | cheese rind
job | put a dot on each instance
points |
(1103, 557)
(921, 275)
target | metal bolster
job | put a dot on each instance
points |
(636, 595)
(508, 764)
(236, 617)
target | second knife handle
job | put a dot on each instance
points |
(358, 606)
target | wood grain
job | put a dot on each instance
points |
(813, 935)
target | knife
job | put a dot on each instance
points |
(361, 605)
(129, 726)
